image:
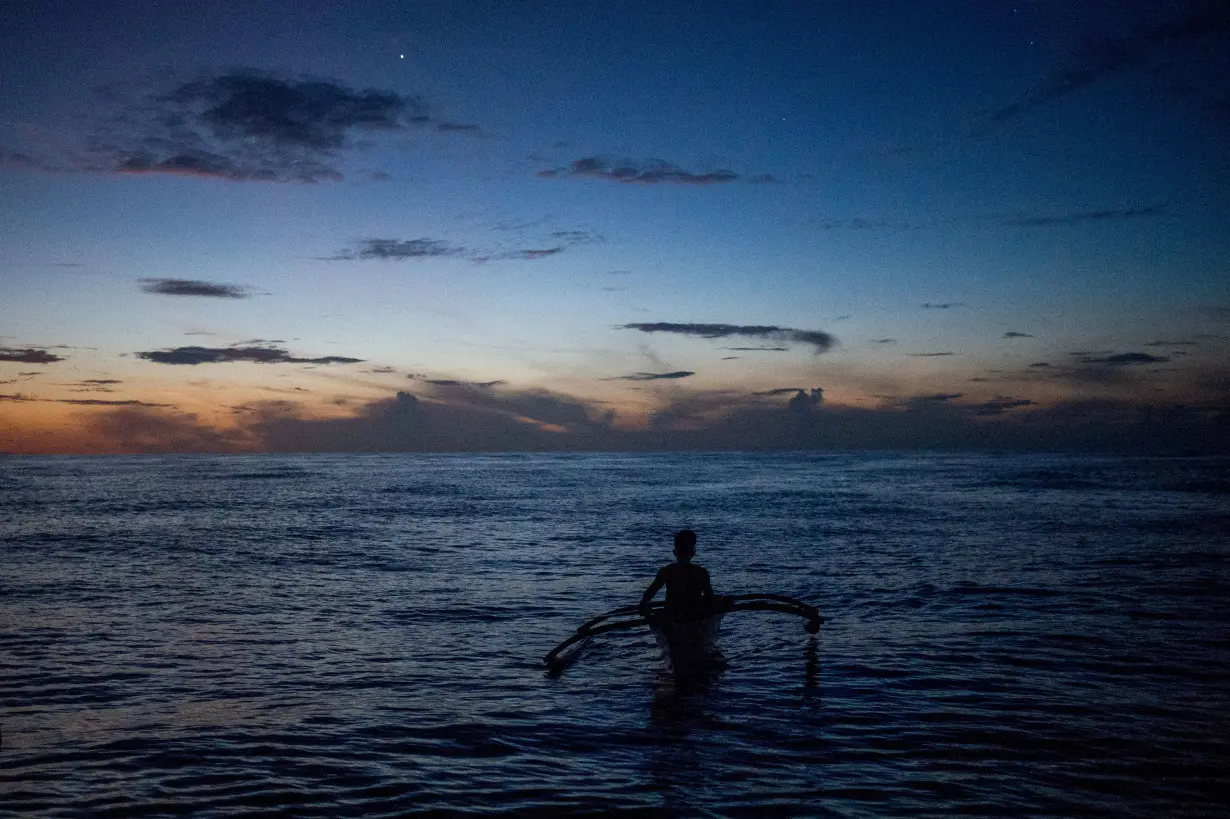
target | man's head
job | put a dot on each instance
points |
(685, 545)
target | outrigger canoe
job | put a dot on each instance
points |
(678, 641)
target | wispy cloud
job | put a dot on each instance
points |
(82, 402)
(1104, 57)
(943, 305)
(1016, 220)
(458, 128)
(192, 356)
(652, 171)
(1054, 220)
(931, 355)
(1000, 405)
(761, 349)
(425, 248)
(397, 250)
(820, 341)
(29, 355)
(1015, 334)
(652, 376)
(194, 287)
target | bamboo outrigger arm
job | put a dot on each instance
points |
(628, 617)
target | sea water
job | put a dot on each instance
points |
(354, 635)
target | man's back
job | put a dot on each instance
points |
(688, 593)
(687, 590)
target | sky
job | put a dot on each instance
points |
(507, 226)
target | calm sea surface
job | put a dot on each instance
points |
(362, 635)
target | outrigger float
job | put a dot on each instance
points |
(679, 642)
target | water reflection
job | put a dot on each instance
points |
(811, 668)
(679, 768)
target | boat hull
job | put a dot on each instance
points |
(689, 644)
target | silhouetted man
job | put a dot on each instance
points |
(689, 596)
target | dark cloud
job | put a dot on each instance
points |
(1000, 405)
(29, 355)
(1086, 216)
(939, 396)
(818, 339)
(652, 376)
(1015, 334)
(1172, 344)
(193, 287)
(884, 341)
(458, 128)
(467, 419)
(806, 400)
(219, 355)
(382, 370)
(101, 381)
(1039, 364)
(1125, 359)
(1096, 59)
(943, 305)
(144, 429)
(649, 172)
(397, 250)
(247, 125)
(931, 355)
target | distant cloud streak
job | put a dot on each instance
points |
(1125, 359)
(649, 172)
(81, 402)
(652, 376)
(193, 287)
(820, 341)
(396, 250)
(192, 356)
(1084, 216)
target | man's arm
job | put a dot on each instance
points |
(658, 582)
(706, 590)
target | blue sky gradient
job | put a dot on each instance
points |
(1010, 217)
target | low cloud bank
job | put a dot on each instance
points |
(473, 418)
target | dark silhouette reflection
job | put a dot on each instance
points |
(811, 669)
(682, 726)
